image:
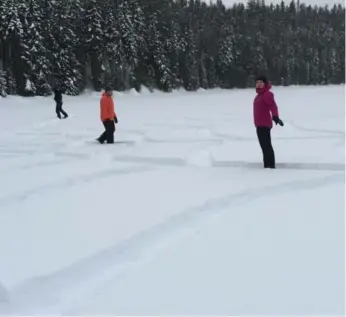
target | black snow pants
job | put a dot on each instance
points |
(59, 110)
(108, 135)
(264, 138)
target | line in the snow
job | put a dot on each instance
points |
(328, 131)
(75, 283)
(72, 181)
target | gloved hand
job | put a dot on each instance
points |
(115, 119)
(277, 121)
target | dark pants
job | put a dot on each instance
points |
(264, 138)
(59, 110)
(108, 135)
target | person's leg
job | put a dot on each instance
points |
(270, 151)
(110, 131)
(260, 138)
(57, 109)
(264, 138)
(63, 112)
(102, 138)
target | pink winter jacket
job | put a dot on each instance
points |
(264, 107)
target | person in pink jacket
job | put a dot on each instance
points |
(265, 111)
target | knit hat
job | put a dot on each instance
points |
(262, 78)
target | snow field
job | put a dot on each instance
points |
(179, 217)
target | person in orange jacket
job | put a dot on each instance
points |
(108, 117)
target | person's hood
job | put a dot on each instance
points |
(267, 87)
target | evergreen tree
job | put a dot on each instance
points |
(166, 44)
(66, 71)
(3, 84)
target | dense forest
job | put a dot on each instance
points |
(166, 44)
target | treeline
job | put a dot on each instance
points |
(166, 44)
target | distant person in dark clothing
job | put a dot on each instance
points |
(58, 99)
(265, 111)
(108, 117)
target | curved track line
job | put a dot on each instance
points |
(72, 181)
(328, 131)
(60, 292)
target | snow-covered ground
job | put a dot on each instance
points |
(178, 217)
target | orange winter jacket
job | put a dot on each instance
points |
(107, 107)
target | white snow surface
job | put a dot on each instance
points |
(178, 217)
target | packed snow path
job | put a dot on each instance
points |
(178, 217)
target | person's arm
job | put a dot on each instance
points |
(270, 101)
(110, 109)
(115, 115)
